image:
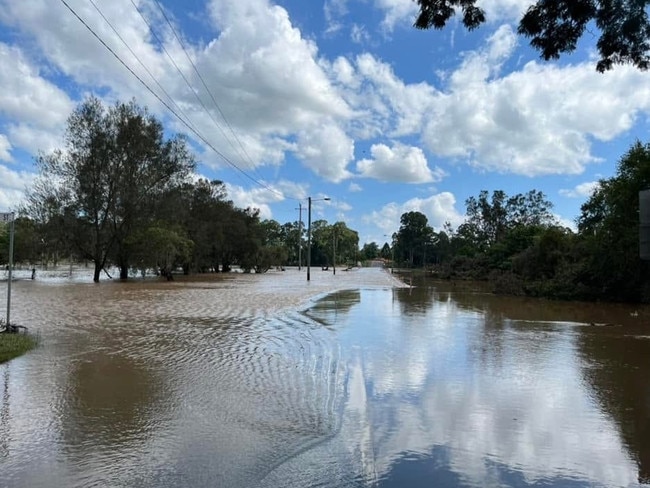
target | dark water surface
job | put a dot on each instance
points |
(224, 382)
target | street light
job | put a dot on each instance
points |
(309, 199)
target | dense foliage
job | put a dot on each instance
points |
(121, 194)
(107, 182)
(554, 27)
(516, 243)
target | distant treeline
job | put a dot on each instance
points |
(517, 244)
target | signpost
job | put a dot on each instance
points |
(9, 217)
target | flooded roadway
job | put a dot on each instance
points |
(267, 380)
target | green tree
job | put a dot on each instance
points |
(345, 243)
(207, 216)
(554, 27)
(412, 238)
(370, 251)
(272, 234)
(159, 247)
(386, 252)
(293, 237)
(144, 166)
(115, 166)
(243, 236)
(27, 242)
(273, 250)
(608, 225)
(489, 220)
(321, 243)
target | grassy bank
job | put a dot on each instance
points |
(13, 345)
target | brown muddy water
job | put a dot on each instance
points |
(270, 381)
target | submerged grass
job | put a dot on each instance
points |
(13, 345)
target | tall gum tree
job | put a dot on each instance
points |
(104, 183)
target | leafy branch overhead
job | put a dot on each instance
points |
(554, 27)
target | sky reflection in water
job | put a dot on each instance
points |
(442, 394)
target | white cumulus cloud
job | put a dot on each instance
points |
(438, 209)
(580, 191)
(399, 163)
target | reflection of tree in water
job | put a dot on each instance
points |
(416, 300)
(616, 360)
(110, 401)
(616, 366)
(326, 309)
(478, 297)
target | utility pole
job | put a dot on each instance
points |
(299, 236)
(334, 249)
(9, 217)
(308, 238)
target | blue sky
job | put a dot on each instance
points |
(342, 98)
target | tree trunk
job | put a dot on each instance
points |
(98, 269)
(124, 272)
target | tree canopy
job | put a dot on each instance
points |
(116, 165)
(609, 222)
(554, 27)
(412, 238)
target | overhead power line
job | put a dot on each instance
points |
(187, 82)
(207, 89)
(169, 97)
(165, 104)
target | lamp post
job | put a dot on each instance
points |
(309, 199)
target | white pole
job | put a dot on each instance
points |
(308, 237)
(11, 265)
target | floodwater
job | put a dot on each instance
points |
(270, 381)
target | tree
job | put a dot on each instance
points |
(144, 166)
(27, 245)
(412, 237)
(555, 26)
(159, 247)
(293, 238)
(370, 251)
(205, 211)
(608, 226)
(489, 221)
(321, 243)
(273, 250)
(272, 234)
(243, 239)
(346, 243)
(115, 167)
(386, 252)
